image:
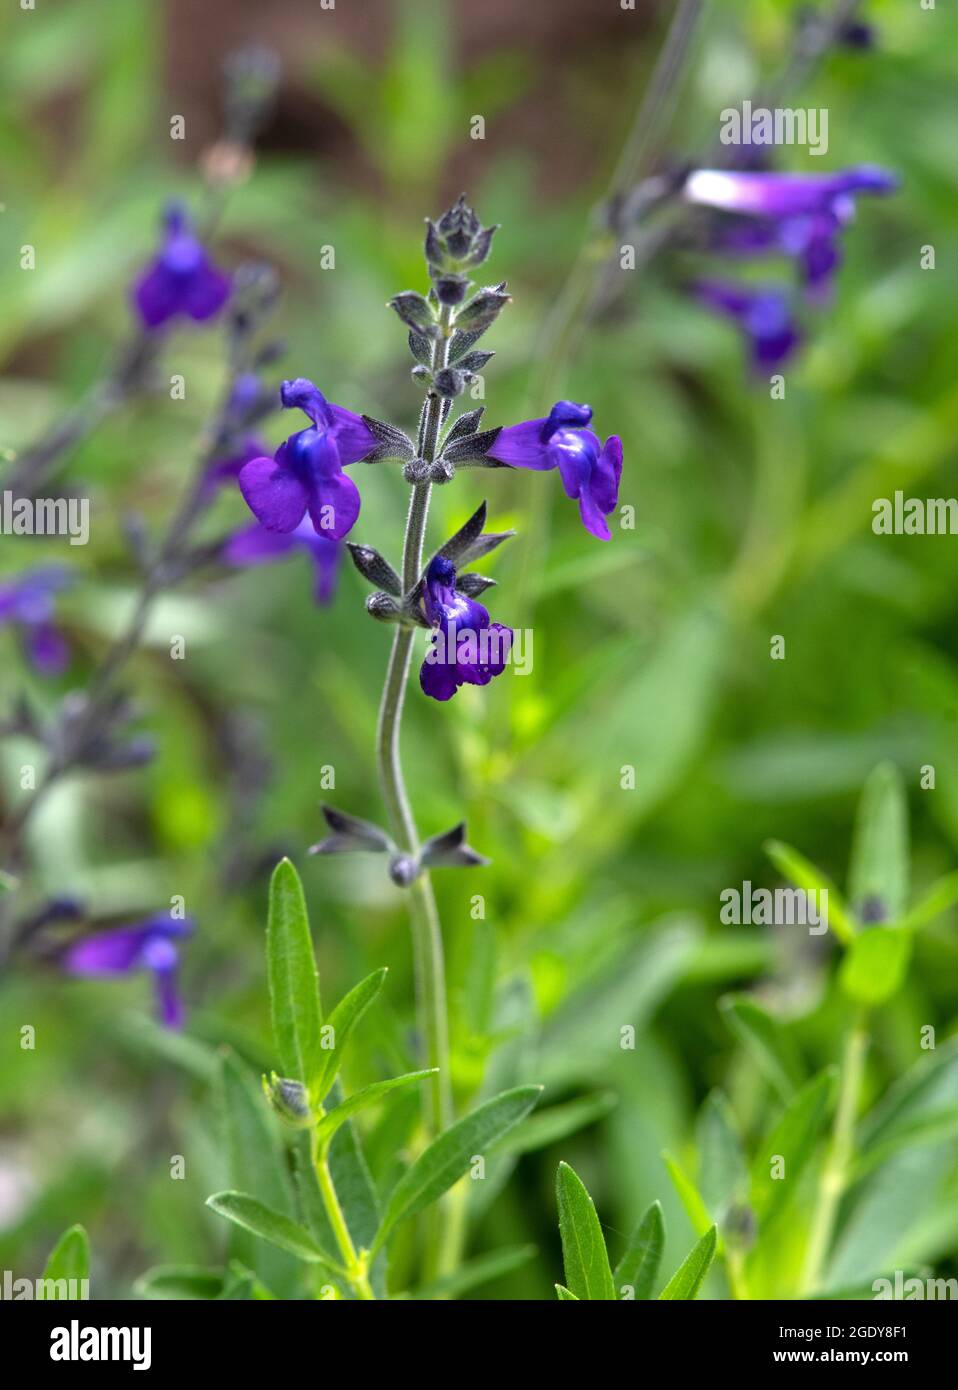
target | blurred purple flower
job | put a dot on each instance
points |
(764, 315)
(467, 647)
(27, 603)
(152, 944)
(590, 471)
(796, 215)
(227, 470)
(181, 279)
(306, 473)
(255, 545)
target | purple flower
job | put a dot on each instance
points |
(796, 215)
(227, 470)
(152, 944)
(181, 279)
(467, 648)
(255, 546)
(590, 471)
(306, 473)
(27, 604)
(764, 315)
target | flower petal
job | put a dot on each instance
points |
(354, 439)
(109, 952)
(47, 649)
(521, 446)
(273, 494)
(439, 679)
(205, 292)
(156, 296)
(334, 506)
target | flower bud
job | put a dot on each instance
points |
(382, 607)
(451, 289)
(448, 383)
(403, 870)
(416, 471)
(289, 1099)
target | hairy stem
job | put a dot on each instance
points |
(355, 1264)
(841, 1148)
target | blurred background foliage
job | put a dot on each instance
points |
(753, 519)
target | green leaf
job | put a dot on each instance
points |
(565, 1295)
(689, 1194)
(942, 895)
(584, 1256)
(808, 876)
(723, 1172)
(340, 1025)
(449, 1156)
(875, 965)
(180, 1282)
(293, 981)
(687, 1279)
(256, 1163)
(639, 1266)
(7, 882)
(69, 1259)
(930, 1128)
(279, 1230)
(879, 864)
(475, 1272)
(770, 1044)
(359, 1100)
(793, 1137)
(548, 1126)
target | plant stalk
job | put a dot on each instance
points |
(355, 1264)
(838, 1161)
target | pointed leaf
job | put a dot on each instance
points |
(878, 876)
(792, 1138)
(875, 964)
(375, 567)
(293, 981)
(565, 1295)
(584, 1256)
(270, 1225)
(339, 1027)
(639, 1266)
(360, 1100)
(691, 1198)
(449, 1156)
(805, 875)
(70, 1257)
(772, 1047)
(180, 1282)
(687, 1279)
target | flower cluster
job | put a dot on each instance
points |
(801, 217)
(182, 281)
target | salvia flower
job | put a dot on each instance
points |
(27, 604)
(590, 470)
(153, 945)
(181, 281)
(467, 647)
(796, 215)
(255, 545)
(763, 314)
(305, 475)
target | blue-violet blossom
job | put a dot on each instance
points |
(590, 471)
(764, 315)
(182, 279)
(255, 546)
(305, 475)
(27, 604)
(467, 647)
(153, 944)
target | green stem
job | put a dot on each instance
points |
(838, 1161)
(355, 1264)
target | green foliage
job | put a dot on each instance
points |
(584, 1254)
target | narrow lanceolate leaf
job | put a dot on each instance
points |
(252, 1215)
(375, 567)
(339, 1028)
(767, 1040)
(723, 1172)
(584, 1256)
(565, 1295)
(449, 1156)
(293, 981)
(360, 1100)
(942, 895)
(809, 878)
(475, 1272)
(875, 964)
(557, 1122)
(691, 1198)
(878, 875)
(69, 1258)
(687, 1279)
(781, 1156)
(636, 1272)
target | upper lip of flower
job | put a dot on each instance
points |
(783, 195)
